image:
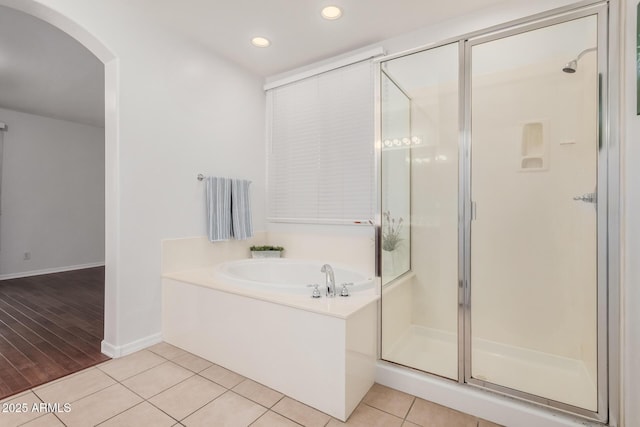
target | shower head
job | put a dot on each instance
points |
(572, 65)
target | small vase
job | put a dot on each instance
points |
(388, 264)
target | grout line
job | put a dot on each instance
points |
(254, 401)
(130, 376)
(163, 411)
(292, 420)
(278, 401)
(80, 398)
(381, 410)
(215, 398)
(61, 422)
(122, 412)
(409, 411)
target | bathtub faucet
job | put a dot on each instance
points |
(329, 280)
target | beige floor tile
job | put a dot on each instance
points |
(166, 350)
(74, 387)
(131, 365)
(432, 415)
(187, 397)
(143, 414)
(366, 416)
(271, 419)
(300, 413)
(258, 393)
(65, 377)
(388, 400)
(192, 362)
(17, 409)
(15, 396)
(48, 420)
(100, 406)
(158, 379)
(228, 410)
(485, 423)
(222, 376)
(409, 424)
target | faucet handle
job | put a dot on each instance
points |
(344, 292)
(316, 292)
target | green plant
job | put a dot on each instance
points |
(390, 232)
(266, 248)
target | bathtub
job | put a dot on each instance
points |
(257, 318)
(288, 276)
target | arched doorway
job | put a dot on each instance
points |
(91, 43)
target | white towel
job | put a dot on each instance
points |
(218, 198)
(241, 224)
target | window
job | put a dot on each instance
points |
(321, 147)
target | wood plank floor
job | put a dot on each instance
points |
(50, 326)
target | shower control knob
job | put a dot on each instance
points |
(316, 291)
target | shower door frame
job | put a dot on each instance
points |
(601, 10)
(608, 208)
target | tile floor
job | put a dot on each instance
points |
(166, 386)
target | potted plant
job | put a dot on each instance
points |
(391, 232)
(266, 251)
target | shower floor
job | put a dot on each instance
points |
(542, 374)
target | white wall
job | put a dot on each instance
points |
(174, 109)
(630, 155)
(177, 111)
(52, 194)
(630, 223)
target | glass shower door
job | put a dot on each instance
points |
(419, 191)
(533, 251)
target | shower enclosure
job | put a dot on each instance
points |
(493, 156)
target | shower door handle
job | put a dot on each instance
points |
(587, 198)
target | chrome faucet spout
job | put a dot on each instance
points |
(329, 280)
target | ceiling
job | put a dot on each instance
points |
(43, 71)
(298, 34)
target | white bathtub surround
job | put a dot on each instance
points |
(321, 352)
(280, 289)
(197, 252)
(350, 245)
(354, 248)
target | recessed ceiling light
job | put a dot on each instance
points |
(260, 42)
(331, 12)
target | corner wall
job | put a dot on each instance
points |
(52, 195)
(631, 212)
(174, 109)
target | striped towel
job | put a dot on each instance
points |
(228, 209)
(218, 192)
(241, 224)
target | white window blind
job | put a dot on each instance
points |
(321, 148)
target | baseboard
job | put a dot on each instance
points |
(115, 351)
(50, 270)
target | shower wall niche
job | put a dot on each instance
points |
(534, 154)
